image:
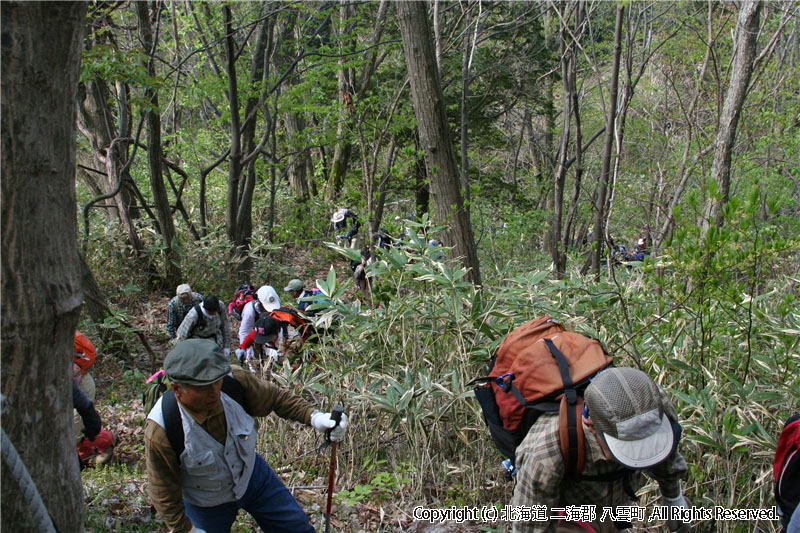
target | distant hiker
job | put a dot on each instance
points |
(298, 291)
(179, 305)
(786, 469)
(344, 219)
(244, 294)
(630, 424)
(383, 239)
(640, 250)
(200, 478)
(267, 300)
(207, 320)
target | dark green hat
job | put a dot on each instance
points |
(196, 362)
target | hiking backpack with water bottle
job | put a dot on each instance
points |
(540, 367)
(244, 294)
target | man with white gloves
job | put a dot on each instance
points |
(630, 425)
(200, 484)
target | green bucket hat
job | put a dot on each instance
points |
(196, 362)
(294, 285)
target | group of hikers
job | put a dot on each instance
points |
(579, 432)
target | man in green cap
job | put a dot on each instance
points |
(215, 470)
(297, 290)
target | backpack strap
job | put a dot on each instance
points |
(201, 320)
(173, 424)
(570, 428)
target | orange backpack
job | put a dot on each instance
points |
(85, 352)
(288, 316)
(540, 367)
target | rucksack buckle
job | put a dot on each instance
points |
(504, 381)
(571, 395)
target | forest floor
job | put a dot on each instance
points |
(115, 495)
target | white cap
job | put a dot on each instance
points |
(183, 289)
(268, 297)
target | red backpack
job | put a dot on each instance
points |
(244, 294)
(540, 367)
(287, 315)
(85, 352)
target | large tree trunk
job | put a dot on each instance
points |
(568, 67)
(293, 122)
(235, 163)
(41, 285)
(166, 225)
(346, 93)
(599, 231)
(746, 42)
(434, 133)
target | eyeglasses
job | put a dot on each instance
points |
(585, 410)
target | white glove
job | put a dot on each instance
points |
(678, 501)
(227, 352)
(241, 353)
(322, 422)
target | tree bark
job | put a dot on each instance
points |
(41, 285)
(166, 224)
(235, 162)
(746, 43)
(434, 132)
(599, 231)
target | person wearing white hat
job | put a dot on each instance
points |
(267, 300)
(179, 306)
(630, 425)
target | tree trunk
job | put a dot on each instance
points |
(344, 146)
(293, 122)
(41, 286)
(599, 231)
(166, 224)
(235, 163)
(746, 43)
(434, 133)
(567, 75)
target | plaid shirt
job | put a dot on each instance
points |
(541, 480)
(176, 312)
(163, 471)
(214, 326)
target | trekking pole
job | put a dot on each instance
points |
(336, 416)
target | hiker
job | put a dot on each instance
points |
(630, 424)
(207, 320)
(640, 250)
(92, 440)
(786, 470)
(218, 470)
(83, 359)
(263, 342)
(341, 219)
(297, 290)
(244, 294)
(267, 300)
(179, 305)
